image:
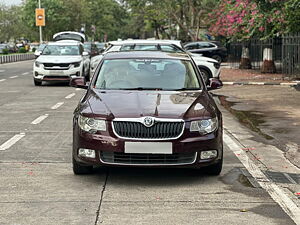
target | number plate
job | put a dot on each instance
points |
(148, 147)
(56, 72)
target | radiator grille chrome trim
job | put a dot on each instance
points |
(119, 158)
(175, 127)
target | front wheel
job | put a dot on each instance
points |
(37, 83)
(215, 169)
(206, 75)
(80, 170)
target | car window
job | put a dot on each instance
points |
(61, 50)
(191, 46)
(170, 48)
(168, 74)
(206, 45)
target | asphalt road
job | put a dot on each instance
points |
(37, 185)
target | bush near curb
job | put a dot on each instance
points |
(22, 50)
(5, 51)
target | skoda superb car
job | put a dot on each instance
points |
(147, 109)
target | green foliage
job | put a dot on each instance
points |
(292, 8)
(5, 51)
(33, 49)
(22, 50)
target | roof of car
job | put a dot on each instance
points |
(146, 54)
(143, 41)
(64, 42)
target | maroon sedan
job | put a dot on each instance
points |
(148, 109)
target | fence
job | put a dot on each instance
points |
(286, 53)
(15, 58)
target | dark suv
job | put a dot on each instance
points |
(212, 49)
(148, 109)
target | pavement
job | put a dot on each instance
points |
(37, 185)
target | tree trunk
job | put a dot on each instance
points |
(245, 59)
(268, 65)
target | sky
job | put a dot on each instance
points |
(10, 2)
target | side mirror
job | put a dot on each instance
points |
(85, 53)
(37, 54)
(214, 84)
(78, 82)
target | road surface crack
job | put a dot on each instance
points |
(101, 199)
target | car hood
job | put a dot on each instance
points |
(59, 59)
(164, 104)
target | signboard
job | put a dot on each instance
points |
(40, 17)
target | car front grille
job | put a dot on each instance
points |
(147, 159)
(159, 131)
(57, 66)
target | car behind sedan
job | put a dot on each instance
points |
(148, 109)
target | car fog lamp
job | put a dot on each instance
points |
(208, 154)
(88, 153)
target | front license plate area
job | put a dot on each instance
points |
(148, 147)
(56, 72)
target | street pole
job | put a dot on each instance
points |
(41, 35)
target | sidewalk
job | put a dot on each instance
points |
(271, 111)
(253, 77)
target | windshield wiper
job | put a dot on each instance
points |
(186, 89)
(141, 88)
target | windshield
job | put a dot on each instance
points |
(88, 46)
(162, 74)
(41, 47)
(151, 47)
(61, 50)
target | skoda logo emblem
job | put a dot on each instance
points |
(148, 121)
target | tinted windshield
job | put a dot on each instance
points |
(61, 50)
(151, 47)
(165, 74)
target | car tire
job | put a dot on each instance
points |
(37, 83)
(218, 58)
(214, 170)
(80, 170)
(206, 75)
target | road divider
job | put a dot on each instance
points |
(39, 119)
(70, 96)
(11, 141)
(276, 193)
(57, 105)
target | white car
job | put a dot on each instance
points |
(210, 68)
(61, 60)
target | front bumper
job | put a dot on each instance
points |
(186, 151)
(41, 74)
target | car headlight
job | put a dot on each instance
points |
(204, 126)
(76, 64)
(37, 64)
(217, 65)
(91, 125)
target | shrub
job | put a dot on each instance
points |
(5, 51)
(22, 50)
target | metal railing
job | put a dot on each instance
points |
(286, 53)
(16, 57)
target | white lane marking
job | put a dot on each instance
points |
(13, 77)
(1, 71)
(11, 141)
(274, 191)
(2, 80)
(57, 105)
(26, 73)
(70, 96)
(39, 119)
(78, 89)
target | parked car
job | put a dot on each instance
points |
(39, 50)
(209, 67)
(149, 109)
(61, 61)
(91, 48)
(100, 46)
(4, 48)
(212, 49)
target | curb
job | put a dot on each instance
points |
(292, 84)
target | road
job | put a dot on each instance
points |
(37, 185)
